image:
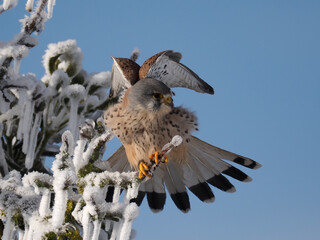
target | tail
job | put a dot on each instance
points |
(205, 166)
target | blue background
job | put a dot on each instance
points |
(262, 58)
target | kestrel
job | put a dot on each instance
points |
(164, 66)
(145, 121)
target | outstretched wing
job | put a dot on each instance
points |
(124, 74)
(166, 67)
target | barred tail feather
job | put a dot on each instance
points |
(205, 165)
(224, 154)
(196, 183)
(175, 186)
(211, 157)
(211, 174)
(155, 190)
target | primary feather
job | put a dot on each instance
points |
(166, 67)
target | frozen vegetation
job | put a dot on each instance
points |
(57, 116)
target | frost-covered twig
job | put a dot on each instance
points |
(37, 112)
(64, 178)
(34, 23)
(8, 4)
(175, 142)
(34, 117)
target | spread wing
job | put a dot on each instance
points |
(124, 74)
(166, 67)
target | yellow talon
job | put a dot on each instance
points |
(144, 168)
(165, 159)
(155, 157)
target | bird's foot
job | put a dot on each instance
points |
(156, 157)
(144, 170)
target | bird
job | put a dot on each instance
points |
(164, 66)
(144, 122)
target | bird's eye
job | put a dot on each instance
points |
(157, 96)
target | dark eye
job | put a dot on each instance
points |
(157, 96)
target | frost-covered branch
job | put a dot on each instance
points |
(79, 199)
(78, 190)
(34, 113)
(58, 115)
(8, 4)
(18, 48)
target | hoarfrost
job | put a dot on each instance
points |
(8, 4)
(75, 93)
(33, 118)
(9, 228)
(102, 79)
(68, 54)
(51, 3)
(131, 212)
(78, 159)
(57, 81)
(29, 5)
(17, 52)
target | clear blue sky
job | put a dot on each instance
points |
(262, 58)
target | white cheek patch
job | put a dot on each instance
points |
(150, 106)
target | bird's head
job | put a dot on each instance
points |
(151, 95)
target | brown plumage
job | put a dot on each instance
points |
(144, 122)
(144, 132)
(125, 73)
(164, 66)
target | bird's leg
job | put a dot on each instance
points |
(157, 157)
(144, 170)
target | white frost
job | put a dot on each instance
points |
(9, 4)
(176, 140)
(17, 52)
(59, 208)
(78, 157)
(102, 79)
(68, 53)
(59, 80)
(29, 5)
(44, 208)
(131, 212)
(51, 4)
(8, 231)
(75, 93)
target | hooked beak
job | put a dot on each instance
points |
(167, 100)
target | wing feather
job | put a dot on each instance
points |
(166, 67)
(124, 74)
